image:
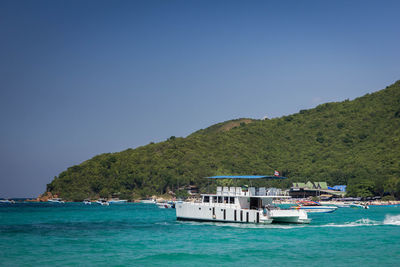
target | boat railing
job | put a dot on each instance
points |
(251, 191)
(234, 191)
(214, 204)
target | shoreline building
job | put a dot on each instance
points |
(316, 189)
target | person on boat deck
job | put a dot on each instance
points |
(266, 209)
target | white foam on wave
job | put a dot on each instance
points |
(360, 222)
(162, 223)
(392, 219)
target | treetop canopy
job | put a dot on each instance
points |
(246, 177)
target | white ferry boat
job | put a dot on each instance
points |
(239, 205)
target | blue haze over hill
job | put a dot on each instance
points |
(79, 78)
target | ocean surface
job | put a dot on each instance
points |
(42, 234)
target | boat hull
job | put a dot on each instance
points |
(289, 216)
(269, 221)
(7, 201)
(145, 201)
(342, 205)
(103, 203)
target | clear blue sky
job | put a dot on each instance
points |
(79, 78)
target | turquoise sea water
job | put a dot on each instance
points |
(144, 235)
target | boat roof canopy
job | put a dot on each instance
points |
(246, 177)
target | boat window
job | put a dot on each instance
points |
(215, 199)
(219, 199)
(232, 200)
(206, 199)
(226, 200)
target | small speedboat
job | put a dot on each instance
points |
(359, 206)
(102, 202)
(6, 201)
(87, 202)
(148, 201)
(56, 200)
(117, 201)
(166, 205)
(312, 206)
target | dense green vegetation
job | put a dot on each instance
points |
(351, 142)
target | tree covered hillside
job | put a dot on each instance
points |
(351, 142)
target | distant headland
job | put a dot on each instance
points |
(354, 143)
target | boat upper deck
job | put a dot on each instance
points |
(260, 192)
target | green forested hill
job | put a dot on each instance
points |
(351, 142)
